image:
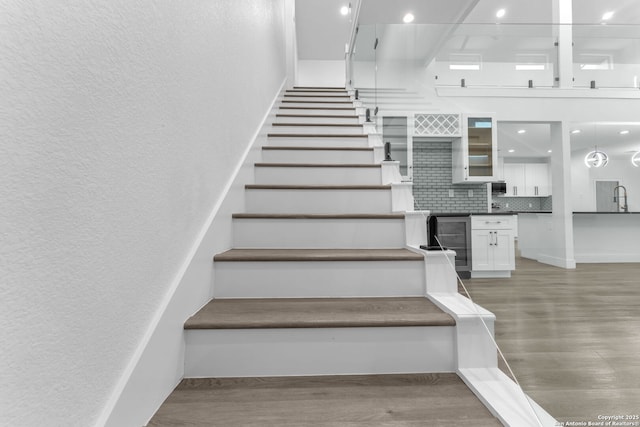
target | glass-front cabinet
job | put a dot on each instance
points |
(475, 155)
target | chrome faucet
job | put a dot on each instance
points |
(616, 195)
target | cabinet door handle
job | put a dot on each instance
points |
(495, 236)
(536, 190)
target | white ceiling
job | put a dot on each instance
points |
(322, 33)
(425, 11)
(321, 30)
(535, 142)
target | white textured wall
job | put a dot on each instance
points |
(121, 123)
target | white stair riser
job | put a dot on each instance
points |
(322, 141)
(318, 156)
(300, 279)
(322, 130)
(342, 111)
(318, 351)
(324, 97)
(305, 233)
(339, 92)
(318, 175)
(318, 201)
(330, 89)
(346, 120)
(319, 105)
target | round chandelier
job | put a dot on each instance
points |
(596, 159)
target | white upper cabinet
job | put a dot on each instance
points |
(514, 177)
(537, 179)
(527, 179)
(475, 155)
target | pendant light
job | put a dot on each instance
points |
(596, 159)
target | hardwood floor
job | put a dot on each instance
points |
(572, 337)
(435, 400)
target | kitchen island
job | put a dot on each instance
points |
(598, 237)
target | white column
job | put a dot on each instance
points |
(563, 18)
(561, 244)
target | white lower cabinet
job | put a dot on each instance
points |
(492, 246)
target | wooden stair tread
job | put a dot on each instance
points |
(318, 95)
(319, 165)
(320, 87)
(439, 399)
(314, 255)
(300, 101)
(318, 116)
(315, 187)
(303, 148)
(351, 125)
(319, 216)
(318, 313)
(284, 107)
(316, 135)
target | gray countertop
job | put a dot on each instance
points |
(583, 213)
(606, 213)
(463, 214)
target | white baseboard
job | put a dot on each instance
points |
(607, 258)
(505, 399)
(557, 262)
(480, 274)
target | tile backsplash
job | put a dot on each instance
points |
(432, 187)
(521, 203)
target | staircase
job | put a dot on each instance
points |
(321, 284)
(319, 280)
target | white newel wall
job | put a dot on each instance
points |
(123, 124)
(321, 73)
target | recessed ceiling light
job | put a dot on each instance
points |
(512, 150)
(530, 67)
(500, 13)
(624, 132)
(522, 131)
(549, 151)
(465, 67)
(408, 18)
(607, 15)
(344, 10)
(575, 131)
